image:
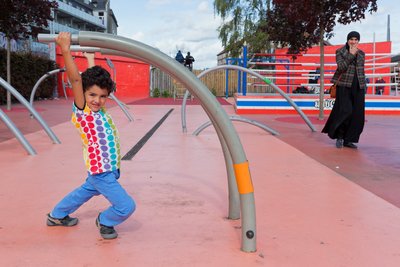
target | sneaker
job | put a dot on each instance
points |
(66, 221)
(106, 232)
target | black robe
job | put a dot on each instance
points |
(346, 120)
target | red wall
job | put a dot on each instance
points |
(132, 76)
(380, 47)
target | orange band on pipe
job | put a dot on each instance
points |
(243, 178)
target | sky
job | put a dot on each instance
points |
(191, 26)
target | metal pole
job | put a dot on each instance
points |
(17, 133)
(23, 101)
(8, 71)
(40, 81)
(244, 86)
(237, 118)
(276, 88)
(121, 105)
(373, 61)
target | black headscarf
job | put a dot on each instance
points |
(353, 34)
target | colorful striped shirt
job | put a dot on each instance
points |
(100, 139)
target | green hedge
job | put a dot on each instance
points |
(26, 70)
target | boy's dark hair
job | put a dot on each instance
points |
(99, 76)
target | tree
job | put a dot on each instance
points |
(243, 21)
(23, 18)
(303, 23)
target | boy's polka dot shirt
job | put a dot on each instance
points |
(100, 139)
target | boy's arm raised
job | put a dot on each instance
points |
(64, 41)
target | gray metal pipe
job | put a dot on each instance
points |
(276, 88)
(122, 106)
(103, 51)
(47, 74)
(233, 194)
(23, 101)
(20, 137)
(237, 118)
(213, 108)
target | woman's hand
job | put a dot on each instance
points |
(353, 49)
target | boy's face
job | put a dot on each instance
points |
(96, 98)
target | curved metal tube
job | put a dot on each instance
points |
(237, 118)
(276, 88)
(47, 74)
(63, 86)
(23, 101)
(233, 194)
(183, 112)
(122, 106)
(17, 133)
(210, 104)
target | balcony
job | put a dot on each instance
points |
(79, 15)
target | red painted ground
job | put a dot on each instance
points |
(171, 101)
(311, 209)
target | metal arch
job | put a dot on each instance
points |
(276, 88)
(237, 118)
(122, 106)
(233, 195)
(23, 101)
(47, 74)
(209, 103)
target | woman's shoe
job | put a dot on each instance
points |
(339, 143)
(350, 145)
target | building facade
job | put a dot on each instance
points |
(83, 15)
(70, 16)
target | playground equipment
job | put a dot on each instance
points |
(276, 88)
(36, 86)
(20, 137)
(288, 76)
(23, 101)
(112, 67)
(232, 147)
(292, 68)
(112, 96)
(237, 118)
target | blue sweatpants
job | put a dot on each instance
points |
(106, 184)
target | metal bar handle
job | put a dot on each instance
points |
(50, 38)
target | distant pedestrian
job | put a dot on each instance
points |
(179, 57)
(189, 61)
(380, 89)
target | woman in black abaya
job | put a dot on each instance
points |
(346, 121)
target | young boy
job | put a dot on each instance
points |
(101, 149)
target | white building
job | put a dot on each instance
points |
(70, 16)
(83, 15)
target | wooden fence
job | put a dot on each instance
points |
(215, 82)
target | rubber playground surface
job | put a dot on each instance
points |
(316, 205)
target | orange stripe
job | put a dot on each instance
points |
(243, 178)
